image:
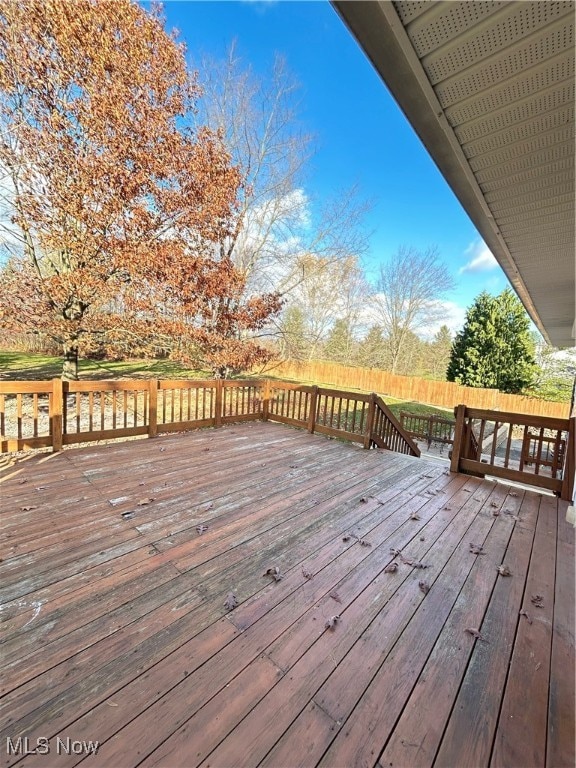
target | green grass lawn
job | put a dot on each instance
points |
(33, 367)
(36, 367)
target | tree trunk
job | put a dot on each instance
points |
(70, 366)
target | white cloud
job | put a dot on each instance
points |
(480, 258)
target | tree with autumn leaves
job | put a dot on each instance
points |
(114, 207)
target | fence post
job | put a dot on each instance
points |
(567, 491)
(56, 414)
(458, 437)
(370, 420)
(266, 400)
(153, 408)
(312, 412)
(218, 404)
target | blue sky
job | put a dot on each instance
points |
(361, 135)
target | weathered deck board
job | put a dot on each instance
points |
(115, 630)
(560, 745)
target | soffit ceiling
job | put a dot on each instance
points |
(489, 89)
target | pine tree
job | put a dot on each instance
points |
(495, 349)
(340, 343)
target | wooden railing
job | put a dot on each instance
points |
(433, 429)
(58, 413)
(535, 450)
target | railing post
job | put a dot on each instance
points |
(567, 492)
(312, 412)
(218, 404)
(152, 407)
(458, 438)
(56, 414)
(368, 429)
(266, 400)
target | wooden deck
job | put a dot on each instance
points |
(115, 629)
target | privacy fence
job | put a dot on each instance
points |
(444, 394)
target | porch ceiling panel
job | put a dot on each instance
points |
(489, 89)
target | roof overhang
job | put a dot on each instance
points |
(489, 89)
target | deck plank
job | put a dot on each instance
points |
(415, 739)
(469, 735)
(521, 732)
(560, 746)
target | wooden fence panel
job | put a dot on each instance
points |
(444, 394)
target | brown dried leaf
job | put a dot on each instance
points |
(144, 502)
(424, 586)
(332, 621)
(27, 509)
(275, 573)
(335, 596)
(414, 516)
(475, 633)
(307, 574)
(527, 615)
(231, 602)
(476, 549)
(503, 570)
(201, 529)
(391, 568)
(537, 601)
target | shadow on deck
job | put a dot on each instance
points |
(115, 628)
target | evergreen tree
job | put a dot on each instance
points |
(495, 349)
(372, 349)
(340, 343)
(438, 353)
(294, 337)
